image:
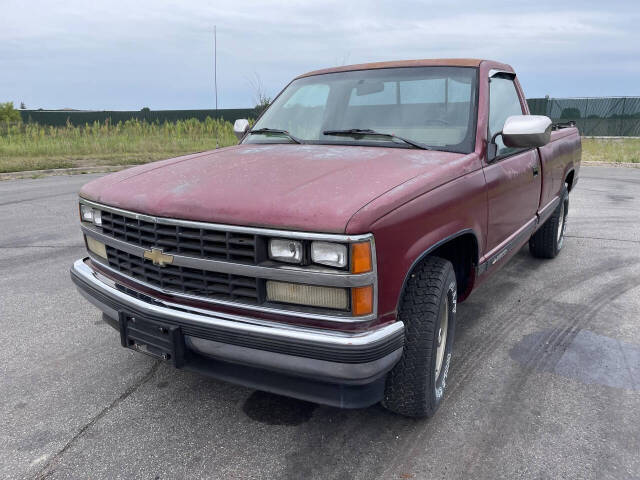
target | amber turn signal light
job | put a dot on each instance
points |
(362, 300)
(361, 257)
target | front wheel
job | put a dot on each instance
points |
(416, 384)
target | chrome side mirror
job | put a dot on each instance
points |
(526, 131)
(240, 128)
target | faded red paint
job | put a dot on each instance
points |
(409, 199)
(298, 187)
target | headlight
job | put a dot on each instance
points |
(331, 254)
(86, 213)
(289, 251)
(91, 215)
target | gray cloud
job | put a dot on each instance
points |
(121, 55)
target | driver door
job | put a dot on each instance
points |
(513, 176)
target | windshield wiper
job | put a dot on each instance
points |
(356, 132)
(278, 132)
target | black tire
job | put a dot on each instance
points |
(412, 388)
(548, 240)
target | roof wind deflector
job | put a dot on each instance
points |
(494, 72)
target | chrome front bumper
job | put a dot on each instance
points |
(316, 355)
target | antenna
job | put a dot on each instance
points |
(215, 78)
(215, 66)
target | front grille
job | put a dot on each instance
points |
(195, 242)
(185, 280)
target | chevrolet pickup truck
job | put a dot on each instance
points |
(323, 256)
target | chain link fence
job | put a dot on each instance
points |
(594, 116)
(60, 118)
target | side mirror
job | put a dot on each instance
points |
(240, 128)
(526, 131)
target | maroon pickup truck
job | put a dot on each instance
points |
(323, 257)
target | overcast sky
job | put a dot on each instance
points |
(128, 55)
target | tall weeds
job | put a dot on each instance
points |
(32, 146)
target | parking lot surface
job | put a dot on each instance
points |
(545, 379)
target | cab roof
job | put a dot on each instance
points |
(427, 62)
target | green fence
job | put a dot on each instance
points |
(595, 116)
(60, 118)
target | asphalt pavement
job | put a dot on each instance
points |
(545, 378)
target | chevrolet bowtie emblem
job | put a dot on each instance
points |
(157, 257)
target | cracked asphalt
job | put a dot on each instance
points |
(545, 379)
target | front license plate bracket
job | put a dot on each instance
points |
(151, 337)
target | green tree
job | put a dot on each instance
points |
(8, 114)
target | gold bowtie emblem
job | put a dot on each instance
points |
(157, 257)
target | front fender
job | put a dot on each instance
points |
(406, 234)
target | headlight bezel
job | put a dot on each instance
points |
(284, 246)
(320, 251)
(86, 213)
(310, 253)
(356, 257)
(90, 215)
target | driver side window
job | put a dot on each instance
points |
(503, 102)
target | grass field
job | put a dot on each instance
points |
(35, 147)
(615, 150)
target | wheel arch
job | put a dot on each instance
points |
(462, 250)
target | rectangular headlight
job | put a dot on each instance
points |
(331, 254)
(283, 250)
(91, 215)
(86, 213)
(311, 295)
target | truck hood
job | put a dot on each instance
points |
(287, 186)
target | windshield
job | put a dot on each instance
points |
(430, 106)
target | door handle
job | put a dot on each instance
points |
(535, 169)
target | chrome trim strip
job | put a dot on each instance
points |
(237, 323)
(268, 232)
(548, 209)
(293, 311)
(499, 252)
(283, 273)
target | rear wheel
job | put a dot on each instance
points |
(548, 240)
(416, 385)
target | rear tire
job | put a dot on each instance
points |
(415, 387)
(548, 240)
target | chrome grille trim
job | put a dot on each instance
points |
(266, 270)
(198, 242)
(185, 280)
(283, 273)
(268, 232)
